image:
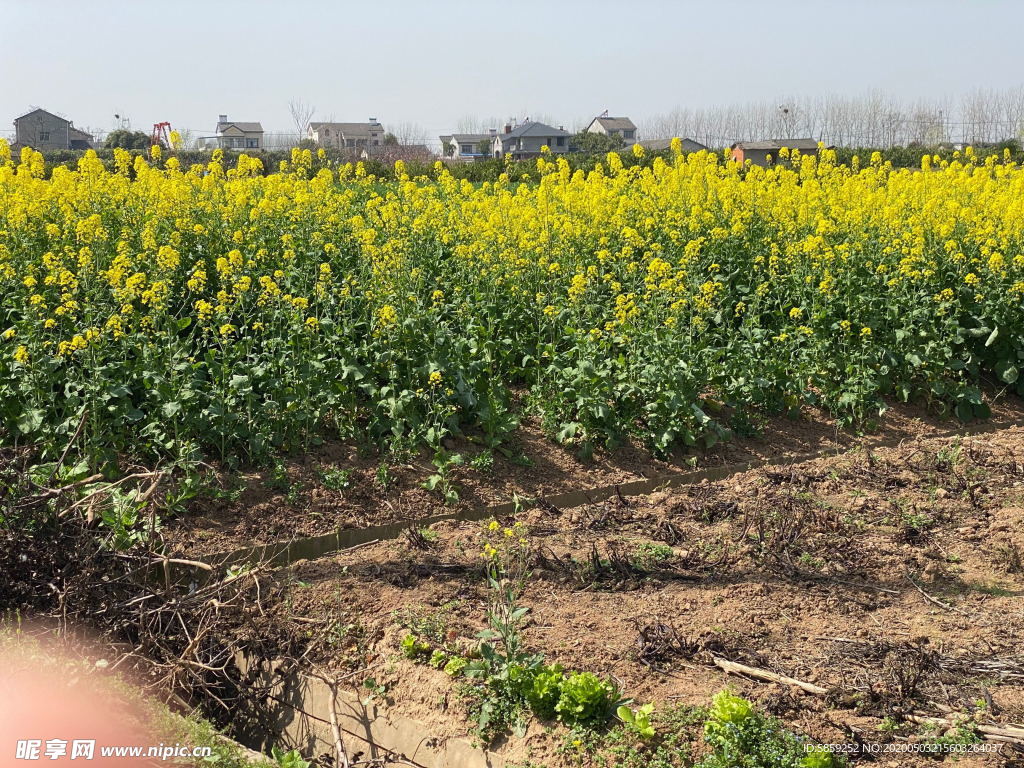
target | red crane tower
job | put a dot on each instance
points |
(161, 135)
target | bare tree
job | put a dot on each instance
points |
(302, 113)
(409, 133)
(474, 124)
(540, 117)
(874, 119)
(188, 138)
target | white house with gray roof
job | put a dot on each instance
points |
(467, 146)
(353, 136)
(622, 127)
(525, 140)
(232, 134)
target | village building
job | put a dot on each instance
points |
(44, 130)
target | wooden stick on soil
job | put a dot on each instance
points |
(735, 668)
(935, 600)
(339, 744)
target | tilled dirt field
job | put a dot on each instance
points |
(294, 500)
(891, 578)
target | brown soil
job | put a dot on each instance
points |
(253, 508)
(893, 577)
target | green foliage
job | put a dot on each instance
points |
(438, 659)
(125, 139)
(506, 682)
(335, 479)
(910, 156)
(289, 759)
(741, 737)
(414, 648)
(585, 699)
(502, 673)
(638, 720)
(621, 746)
(544, 691)
(455, 666)
(649, 554)
(596, 143)
(921, 331)
(444, 462)
(963, 734)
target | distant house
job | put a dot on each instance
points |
(41, 130)
(354, 136)
(765, 153)
(467, 146)
(614, 126)
(236, 135)
(526, 140)
(660, 145)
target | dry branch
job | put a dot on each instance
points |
(1006, 733)
(934, 600)
(736, 668)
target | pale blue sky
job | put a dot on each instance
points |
(432, 63)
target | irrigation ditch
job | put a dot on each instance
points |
(284, 552)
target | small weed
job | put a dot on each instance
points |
(675, 730)
(383, 477)
(420, 538)
(954, 739)
(230, 492)
(294, 494)
(414, 648)
(376, 690)
(441, 481)
(649, 554)
(888, 725)
(335, 479)
(988, 588)
(949, 457)
(279, 480)
(520, 459)
(432, 624)
(810, 561)
(638, 720)
(913, 525)
(483, 461)
(289, 759)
